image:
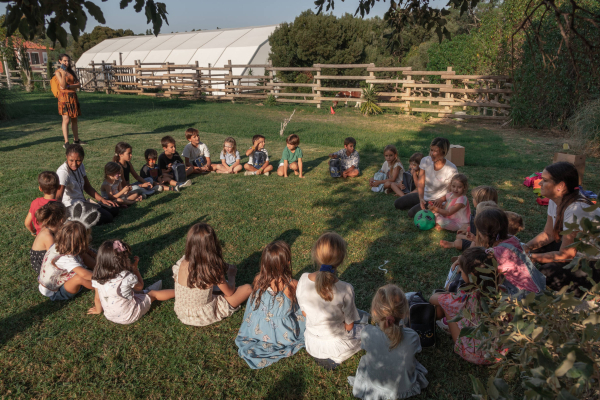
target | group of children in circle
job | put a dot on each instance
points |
(282, 315)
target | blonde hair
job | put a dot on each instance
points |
(485, 204)
(388, 308)
(329, 249)
(462, 178)
(484, 193)
(231, 141)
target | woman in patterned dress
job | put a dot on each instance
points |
(68, 104)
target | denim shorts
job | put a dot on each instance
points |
(62, 294)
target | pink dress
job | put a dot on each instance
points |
(455, 221)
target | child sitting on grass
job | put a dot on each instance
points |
(273, 325)
(456, 211)
(466, 234)
(230, 158)
(258, 158)
(48, 184)
(389, 370)
(63, 272)
(291, 157)
(332, 320)
(195, 150)
(408, 184)
(113, 188)
(349, 158)
(198, 273)
(515, 223)
(50, 217)
(151, 171)
(115, 279)
(123, 155)
(391, 171)
(168, 157)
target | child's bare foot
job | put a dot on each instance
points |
(446, 244)
(438, 228)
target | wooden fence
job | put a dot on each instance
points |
(436, 92)
(12, 78)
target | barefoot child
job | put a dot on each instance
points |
(230, 158)
(273, 325)
(113, 188)
(168, 157)
(391, 171)
(115, 279)
(50, 217)
(332, 320)
(48, 184)
(258, 158)
(456, 211)
(389, 370)
(198, 272)
(123, 155)
(291, 157)
(196, 150)
(349, 158)
(151, 171)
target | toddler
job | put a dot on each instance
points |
(349, 158)
(391, 171)
(196, 154)
(168, 157)
(456, 211)
(63, 272)
(123, 155)
(332, 320)
(115, 279)
(389, 370)
(230, 158)
(197, 273)
(48, 184)
(113, 189)
(50, 217)
(291, 157)
(258, 158)
(273, 325)
(150, 171)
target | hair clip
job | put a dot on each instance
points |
(489, 251)
(497, 237)
(118, 245)
(327, 268)
(389, 320)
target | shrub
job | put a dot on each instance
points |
(584, 126)
(270, 101)
(425, 117)
(369, 104)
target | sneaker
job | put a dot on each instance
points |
(65, 145)
(176, 188)
(266, 173)
(160, 188)
(443, 325)
(80, 142)
(154, 286)
(186, 184)
(248, 173)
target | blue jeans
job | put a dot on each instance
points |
(62, 294)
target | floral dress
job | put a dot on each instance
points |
(455, 221)
(272, 331)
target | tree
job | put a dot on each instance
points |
(99, 34)
(30, 17)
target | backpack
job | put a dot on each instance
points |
(379, 176)
(335, 167)
(259, 158)
(421, 318)
(408, 182)
(55, 86)
(179, 172)
(199, 162)
(538, 278)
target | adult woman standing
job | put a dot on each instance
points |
(68, 104)
(550, 249)
(433, 181)
(73, 182)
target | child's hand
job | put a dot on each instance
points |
(454, 265)
(402, 187)
(136, 260)
(94, 311)
(128, 188)
(470, 237)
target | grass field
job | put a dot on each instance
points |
(54, 350)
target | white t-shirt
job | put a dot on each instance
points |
(436, 182)
(117, 298)
(251, 160)
(230, 158)
(574, 210)
(192, 152)
(73, 181)
(385, 169)
(67, 263)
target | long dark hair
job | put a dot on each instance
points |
(565, 172)
(473, 258)
(205, 257)
(120, 148)
(111, 260)
(69, 69)
(492, 226)
(275, 266)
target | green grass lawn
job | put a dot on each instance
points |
(54, 350)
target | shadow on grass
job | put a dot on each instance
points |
(312, 164)
(32, 143)
(291, 386)
(162, 129)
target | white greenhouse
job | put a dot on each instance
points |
(214, 48)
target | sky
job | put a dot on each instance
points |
(185, 15)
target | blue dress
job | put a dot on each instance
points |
(272, 331)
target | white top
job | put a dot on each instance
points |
(73, 181)
(436, 182)
(66, 263)
(251, 160)
(230, 158)
(192, 152)
(117, 297)
(386, 169)
(575, 210)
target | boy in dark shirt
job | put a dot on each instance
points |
(150, 170)
(168, 157)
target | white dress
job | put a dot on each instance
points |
(121, 305)
(325, 335)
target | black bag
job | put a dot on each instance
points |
(200, 162)
(179, 172)
(335, 167)
(422, 318)
(408, 182)
(259, 158)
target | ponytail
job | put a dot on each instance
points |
(389, 307)
(324, 284)
(328, 253)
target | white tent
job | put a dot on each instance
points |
(215, 47)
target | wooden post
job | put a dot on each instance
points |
(120, 58)
(198, 89)
(318, 88)
(230, 81)
(8, 82)
(209, 80)
(448, 109)
(408, 93)
(138, 77)
(113, 69)
(372, 76)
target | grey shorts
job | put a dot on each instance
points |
(62, 294)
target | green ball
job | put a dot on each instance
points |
(425, 220)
